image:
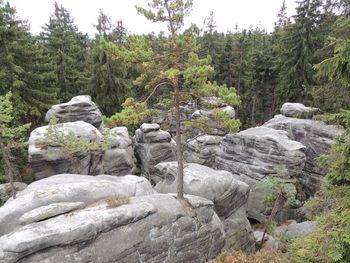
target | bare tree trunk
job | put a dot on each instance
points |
(180, 169)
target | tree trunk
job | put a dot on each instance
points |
(180, 169)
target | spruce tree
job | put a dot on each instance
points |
(23, 69)
(110, 82)
(67, 48)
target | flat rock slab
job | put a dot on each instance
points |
(297, 229)
(79, 108)
(154, 228)
(69, 188)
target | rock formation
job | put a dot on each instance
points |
(79, 108)
(46, 157)
(289, 109)
(228, 195)
(256, 153)
(152, 146)
(317, 138)
(148, 228)
(6, 190)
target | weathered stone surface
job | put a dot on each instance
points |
(47, 159)
(165, 116)
(51, 210)
(253, 154)
(202, 150)
(270, 243)
(120, 159)
(79, 108)
(228, 195)
(297, 229)
(318, 139)
(154, 228)
(289, 109)
(6, 190)
(152, 147)
(69, 188)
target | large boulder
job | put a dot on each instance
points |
(152, 146)
(47, 158)
(6, 190)
(294, 229)
(79, 108)
(153, 228)
(202, 149)
(318, 139)
(254, 154)
(63, 190)
(289, 109)
(228, 195)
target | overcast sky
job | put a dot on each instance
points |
(227, 13)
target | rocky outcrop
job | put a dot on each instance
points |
(47, 158)
(152, 146)
(294, 230)
(152, 228)
(256, 153)
(228, 195)
(289, 109)
(6, 190)
(63, 188)
(202, 149)
(79, 108)
(317, 138)
(165, 116)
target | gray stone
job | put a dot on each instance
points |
(297, 229)
(79, 108)
(228, 195)
(47, 159)
(51, 210)
(69, 188)
(202, 150)
(270, 243)
(154, 228)
(148, 127)
(6, 190)
(289, 109)
(256, 153)
(317, 138)
(153, 147)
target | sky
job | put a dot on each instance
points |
(227, 13)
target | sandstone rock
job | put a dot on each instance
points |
(51, 210)
(202, 150)
(270, 243)
(47, 159)
(69, 188)
(79, 108)
(154, 228)
(120, 159)
(297, 229)
(6, 190)
(289, 109)
(318, 139)
(152, 146)
(256, 153)
(228, 195)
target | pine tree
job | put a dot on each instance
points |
(110, 81)
(177, 69)
(67, 49)
(23, 69)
